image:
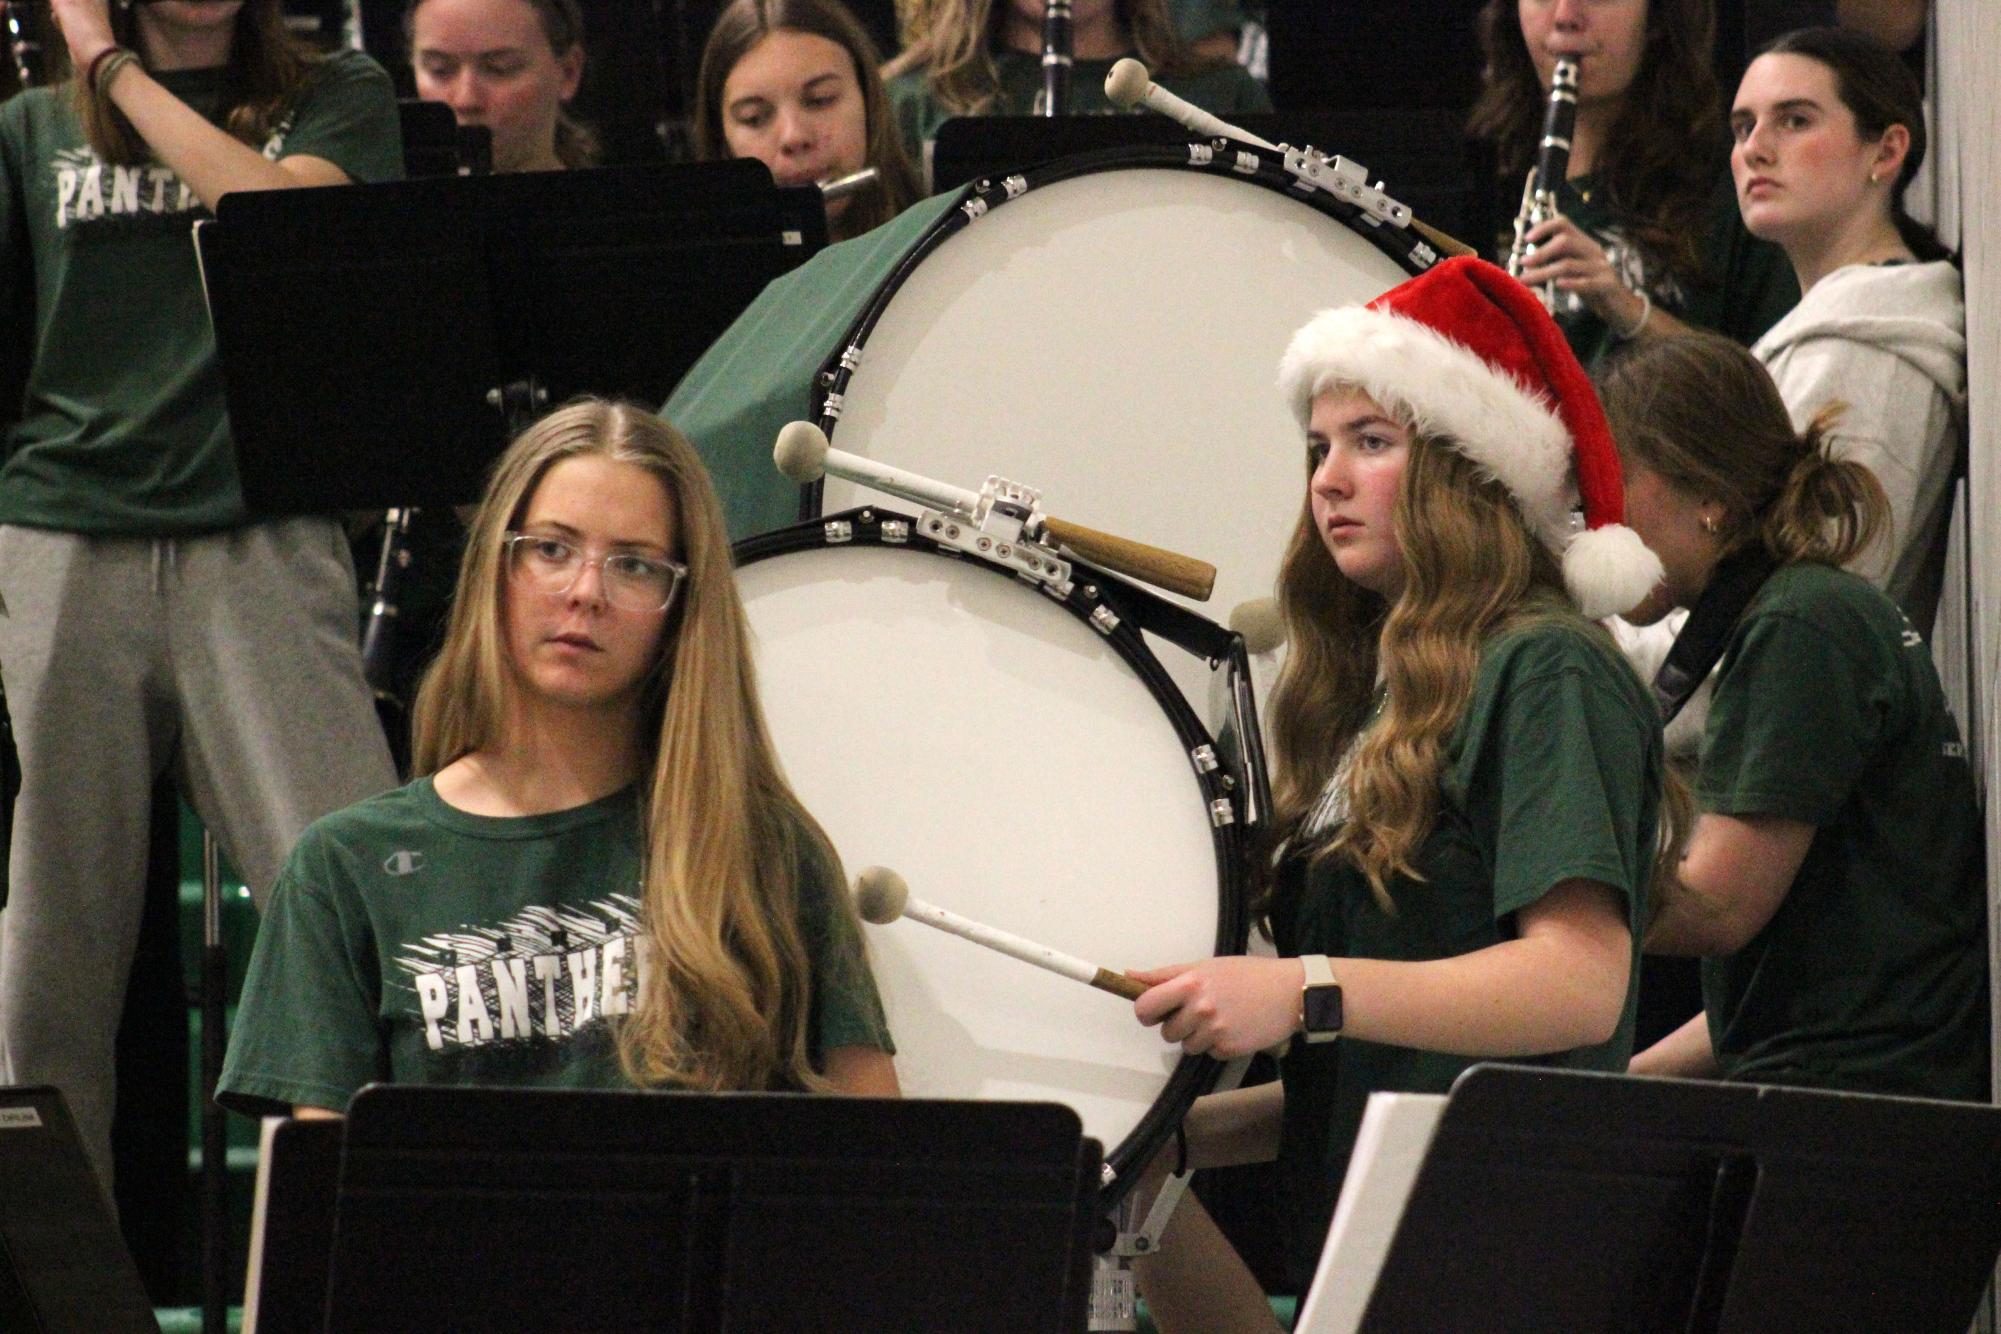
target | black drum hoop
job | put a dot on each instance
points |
(1209, 157)
(1090, 590)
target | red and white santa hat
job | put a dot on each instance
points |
(1467, 355)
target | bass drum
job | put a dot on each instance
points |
(1108, 329)
(1019, 756)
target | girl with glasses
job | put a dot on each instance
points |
(601, 879)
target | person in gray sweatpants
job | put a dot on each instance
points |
(149, 626)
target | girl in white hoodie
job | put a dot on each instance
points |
(1829, 129)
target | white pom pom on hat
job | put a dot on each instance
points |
(1469, 355)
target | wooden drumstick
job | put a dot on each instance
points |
(803, 454)
(1149, 564)
(882, 896)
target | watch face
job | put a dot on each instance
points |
(1322, 1010)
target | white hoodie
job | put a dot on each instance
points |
(1890, 342)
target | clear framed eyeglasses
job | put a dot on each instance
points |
(633, 581)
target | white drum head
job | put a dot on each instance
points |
(963, 729)
(1114, 340)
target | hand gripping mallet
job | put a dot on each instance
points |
(882, 896)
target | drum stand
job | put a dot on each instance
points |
(1114, 1288)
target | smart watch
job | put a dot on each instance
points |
(1319, 1001)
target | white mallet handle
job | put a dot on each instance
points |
(1121, 82)
(898, 482)
(1056, 961)
(803, 454)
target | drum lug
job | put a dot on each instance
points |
(1222, 812)
(1204, 758)
(974, 208)
(831, 409)
(1200, 155)
(1016, 186)
(838, 532)
(895, 532)
(1103, 619)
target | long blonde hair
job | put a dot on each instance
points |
(1471, 570)
(725, 842)
(953, 42)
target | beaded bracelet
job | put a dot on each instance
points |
(105, 64)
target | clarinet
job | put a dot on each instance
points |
(1056, 59)
(21, 40)
(378, 634)
(1552, 164)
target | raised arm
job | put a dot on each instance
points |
(205, 157)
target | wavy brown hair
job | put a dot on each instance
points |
(742, 26)
(268, 69)
(725, 842)
(1703, 415)
(953, 42)
(1472, 569)
(1663, 155)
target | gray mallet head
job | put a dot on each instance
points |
(880, 894)
(1259, 623)
(1127, 83)
(801, 452)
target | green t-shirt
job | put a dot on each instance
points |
(410, 942)
(1222, 89)
(1872, 974)
(1747, 285)
(1553, 774)
(123, 429)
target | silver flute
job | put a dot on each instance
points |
(840, 187)
(1552, 163)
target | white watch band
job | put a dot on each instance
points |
(1319, 972)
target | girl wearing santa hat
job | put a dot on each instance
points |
(1469, 777)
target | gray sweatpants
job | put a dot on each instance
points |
(228, 659)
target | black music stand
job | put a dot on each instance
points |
(1420, 155)
(291, 1226)
(1566, 1200)
(64, 1268)
(435, 144)
(379, 343)
(512, 1208)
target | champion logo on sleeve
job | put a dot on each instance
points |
(403, 862)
